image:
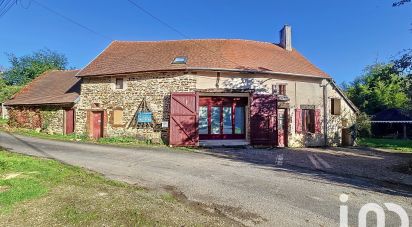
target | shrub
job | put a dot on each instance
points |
(363, 125)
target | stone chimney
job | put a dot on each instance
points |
(286, 37)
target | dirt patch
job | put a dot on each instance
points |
(4, 188)
(107, 205)
(11, 176)
(243, 218)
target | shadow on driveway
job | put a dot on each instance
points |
(362, 168)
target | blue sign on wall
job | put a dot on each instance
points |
(144, 117)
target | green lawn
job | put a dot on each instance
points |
(392, 144)
(3, 121)
(42, 192)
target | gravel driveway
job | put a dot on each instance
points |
(249, 192)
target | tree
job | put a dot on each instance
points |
(401, 3)
(7, 91)
(379, 88)
(24, 69)
(403, 66)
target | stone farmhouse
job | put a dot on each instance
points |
(211, 92)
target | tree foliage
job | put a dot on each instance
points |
(26, 68)
(7, 91)
(380, 87)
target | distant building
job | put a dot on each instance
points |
(392, 123)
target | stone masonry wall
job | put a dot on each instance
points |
(47, 118)
(99, 94)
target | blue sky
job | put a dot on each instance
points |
(340, 37)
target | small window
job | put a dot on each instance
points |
(279, 89)
(308, 121)
(118, 117)
(335, 106)
(179, 60)
(119, 83)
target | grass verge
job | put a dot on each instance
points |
(42, 192)
(392, 144)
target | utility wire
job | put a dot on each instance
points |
(158, 19)
(7, 7)
(2, 7)
(174, 29)
(71, 20)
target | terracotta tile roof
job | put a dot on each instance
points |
(52, 87)
(230, 54)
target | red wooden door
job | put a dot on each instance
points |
(263, 120)
(97, 124)
(69, 121)
(183, 124)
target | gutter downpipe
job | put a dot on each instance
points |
(325, 83)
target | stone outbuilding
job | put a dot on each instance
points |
(211, 92)
(47, 103)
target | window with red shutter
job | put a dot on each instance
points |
(307, 120)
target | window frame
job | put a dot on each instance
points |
(116, 84)
(183, 60)
(308, 115)
(279, 89)
(282, 89)
(333, 110)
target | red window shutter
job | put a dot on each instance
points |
(317, 121)
(298, 120)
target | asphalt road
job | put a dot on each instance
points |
(248, 192)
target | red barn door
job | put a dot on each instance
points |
(97, 118)
(263, 120)
(69, 121)
(183, 119)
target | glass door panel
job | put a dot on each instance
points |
(222, 117)
(227, 120)
(215, 120)
(240, 120)
(203, 122)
